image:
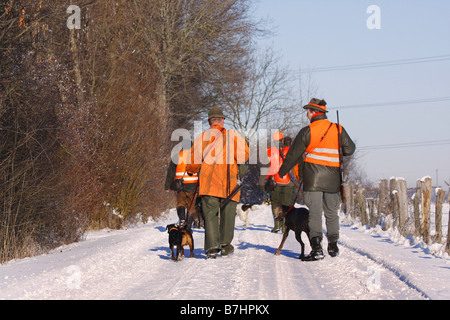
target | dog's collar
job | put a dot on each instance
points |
(176, 227)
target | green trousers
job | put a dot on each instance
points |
(280, 196)
(219, 224)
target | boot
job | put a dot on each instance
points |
(316, 252)
(227, 250)
(276, 227)
(212, 254)
(333, 249)
(276, 213)
(181, 212)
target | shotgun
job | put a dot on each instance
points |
(227, 199)
(341, 159)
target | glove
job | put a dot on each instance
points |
(270, 184)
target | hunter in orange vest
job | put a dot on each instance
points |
(217, 155)
(181, 173)
(284, 188)
(317, 149)
(185, 187)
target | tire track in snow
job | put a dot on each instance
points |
(345, 277)
(177, 279)
(385, 265)
(277, 277)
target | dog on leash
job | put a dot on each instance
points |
(296, 219)
(242, 211)
(179, 237)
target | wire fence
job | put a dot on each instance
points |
(414, 212)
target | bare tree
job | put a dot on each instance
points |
(86, 115)
(270, 98)
(263, 99)
(200, 48)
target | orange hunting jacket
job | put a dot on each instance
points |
(212, 153)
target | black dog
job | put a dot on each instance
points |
(296, 219)
(179, 237)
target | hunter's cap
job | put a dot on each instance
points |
(317, 105)
(215, 112)
(277, 136)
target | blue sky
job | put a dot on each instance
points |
(313, 34)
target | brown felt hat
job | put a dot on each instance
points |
(318, 105)
(215, 112)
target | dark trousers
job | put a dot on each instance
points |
(219, 224)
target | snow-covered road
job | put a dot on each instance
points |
(135, 264)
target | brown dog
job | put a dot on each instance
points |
(296, 219)
(179, 237)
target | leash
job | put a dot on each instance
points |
(192, 200)
(296, 197)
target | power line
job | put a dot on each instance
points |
(392, 103)
(379, 64)
(406, 145)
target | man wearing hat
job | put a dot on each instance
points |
(216, 155)
(316, 149)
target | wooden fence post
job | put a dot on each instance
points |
(383, 197)
(417, 207)
(426, 206)
(440, 195)
(402, 205)
(448, 224)
(392, 206)
(372, 217)
(361, 201)
(349, 201)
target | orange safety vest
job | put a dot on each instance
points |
(276, 161)
(180, 171)
(325, 152)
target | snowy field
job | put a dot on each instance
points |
(135, 264)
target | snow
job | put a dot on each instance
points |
(135, 264)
